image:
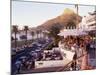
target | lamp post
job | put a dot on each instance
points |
(76, 6)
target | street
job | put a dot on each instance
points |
(26, 52)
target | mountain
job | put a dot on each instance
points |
(67, 16)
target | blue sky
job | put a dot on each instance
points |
(34, 14)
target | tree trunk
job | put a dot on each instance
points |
(15, 40)
(37, 35)
(32, 38)
(26, 38)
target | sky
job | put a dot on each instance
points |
(34, 14)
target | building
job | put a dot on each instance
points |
(89, 21)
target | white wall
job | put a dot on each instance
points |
(51, 63)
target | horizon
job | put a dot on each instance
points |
(23, 13)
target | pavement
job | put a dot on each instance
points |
(40, 70)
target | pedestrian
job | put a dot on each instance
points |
(18, 66)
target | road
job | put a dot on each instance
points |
(26, 52)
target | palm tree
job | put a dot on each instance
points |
(44, 34)
(54, 30)
(12, 38)
(32, 33)
(15, 30)
(40, 32)
(37, 32)
(26, 29)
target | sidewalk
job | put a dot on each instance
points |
(41, 70)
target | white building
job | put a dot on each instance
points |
(89, 21)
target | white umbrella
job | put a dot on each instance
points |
(72, 32)
(80, 33)
(66, 32)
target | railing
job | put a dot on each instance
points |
(68, 66)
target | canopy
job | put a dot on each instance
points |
(72, 32)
